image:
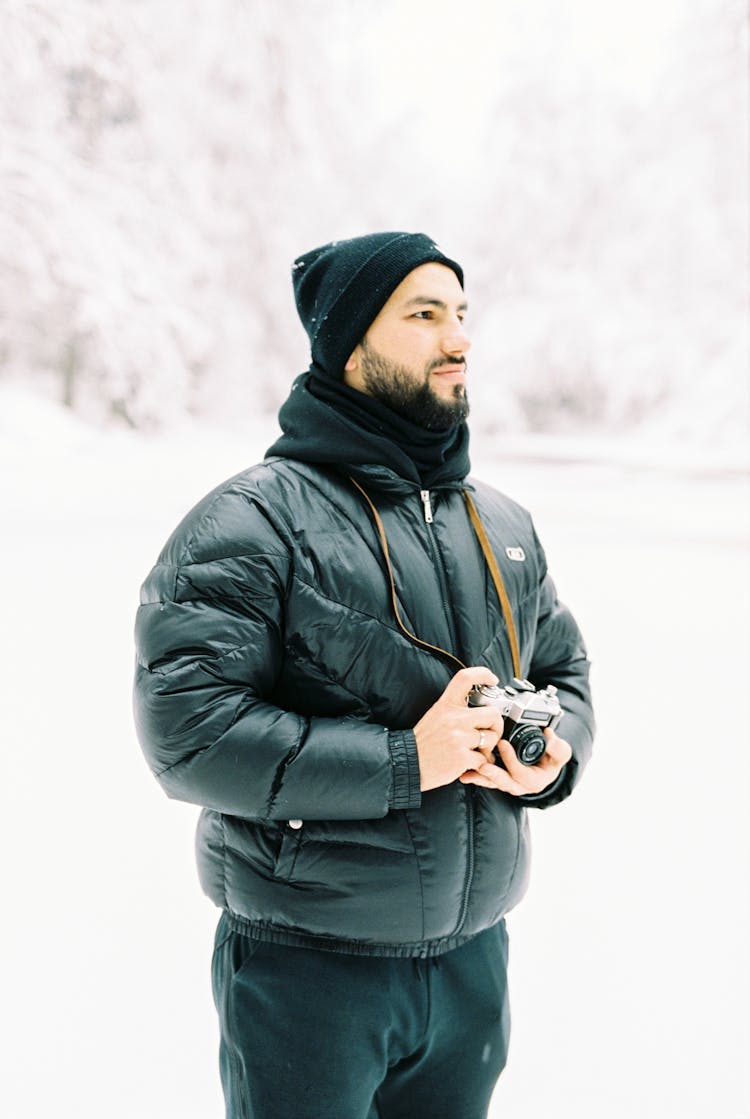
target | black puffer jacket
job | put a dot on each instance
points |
(275, 689)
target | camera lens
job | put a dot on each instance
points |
(529, 744)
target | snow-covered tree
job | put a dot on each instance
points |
(162, 163)
(621, 225)
(151, 157)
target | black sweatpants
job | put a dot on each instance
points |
(309, 1034)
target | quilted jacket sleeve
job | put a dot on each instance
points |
(560, 658)
(209, 648)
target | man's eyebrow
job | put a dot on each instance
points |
(429, 301)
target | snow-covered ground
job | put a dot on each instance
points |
(629, 972)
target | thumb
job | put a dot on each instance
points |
(459, 687)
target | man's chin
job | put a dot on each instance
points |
(441, 413)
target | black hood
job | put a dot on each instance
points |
(331, 424)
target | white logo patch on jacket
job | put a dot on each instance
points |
(517, 554)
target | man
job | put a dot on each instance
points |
(307, 644)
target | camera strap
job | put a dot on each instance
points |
(492, 565)
(497, 579)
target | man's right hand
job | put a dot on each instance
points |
(452, 738)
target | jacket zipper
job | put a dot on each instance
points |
(437, 560)
(467, 791)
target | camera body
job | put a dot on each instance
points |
(525, 711)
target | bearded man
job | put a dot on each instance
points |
(308, 643)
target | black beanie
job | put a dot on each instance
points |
(341, 287)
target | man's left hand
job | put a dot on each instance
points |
(520, 780)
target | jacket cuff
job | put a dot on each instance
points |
(553, 794)
(405, 791)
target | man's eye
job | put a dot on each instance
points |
(423, 314)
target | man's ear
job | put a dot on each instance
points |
(353, 363)
(353, 370)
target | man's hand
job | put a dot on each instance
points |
(520, 780)
(453, 738)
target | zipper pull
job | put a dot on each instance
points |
(425, 495)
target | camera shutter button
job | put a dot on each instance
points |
(296, 824)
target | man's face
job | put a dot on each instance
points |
(413, 357)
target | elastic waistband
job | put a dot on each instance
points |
(274, 935)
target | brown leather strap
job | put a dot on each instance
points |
(497, 579)
(494, 570)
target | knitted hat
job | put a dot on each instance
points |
(340, 288)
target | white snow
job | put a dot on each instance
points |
(629, 964)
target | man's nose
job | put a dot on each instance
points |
(455, 339)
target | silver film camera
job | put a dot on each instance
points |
(525, 711)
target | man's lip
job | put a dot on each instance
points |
(450, 371)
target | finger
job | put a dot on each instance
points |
(525, 778)
(510, 759)
(489, 720)
(488, 738)
(473, 777)
(501, 779)
(530, 778)
(461, 684)
(558, 750)
(483, 718)
(475, 759)
(478, 719)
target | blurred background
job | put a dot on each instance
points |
(161, 164)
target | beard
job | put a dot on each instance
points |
(396, 387)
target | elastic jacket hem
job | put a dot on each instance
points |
(257, 930)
